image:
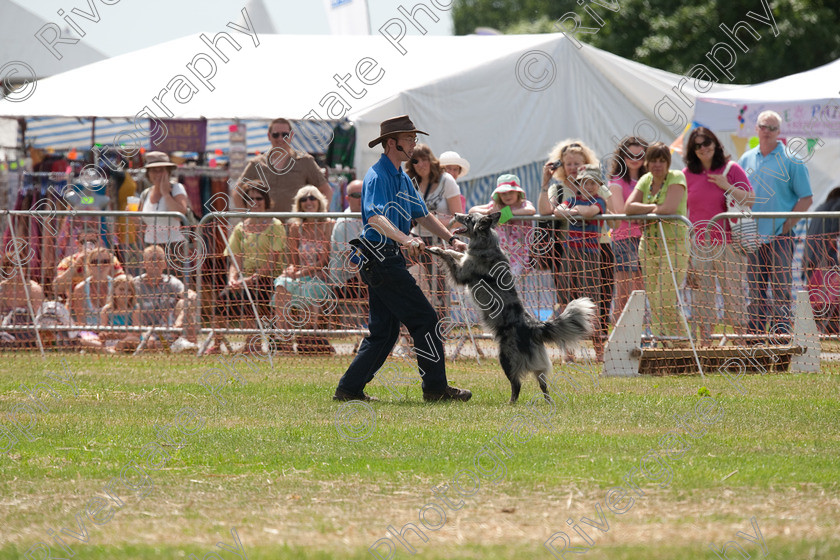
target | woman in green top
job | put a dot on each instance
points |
(257, 255)
(662, 191)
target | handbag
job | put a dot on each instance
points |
(744, 229)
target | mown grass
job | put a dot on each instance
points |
(271, 462)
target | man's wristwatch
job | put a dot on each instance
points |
(451, 239)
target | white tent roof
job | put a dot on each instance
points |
(499, 101)
(486, 114)
(284, 75)
(18, 27)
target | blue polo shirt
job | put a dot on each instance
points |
(388, 191)
(779, 182)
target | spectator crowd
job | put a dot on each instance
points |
(294, 274)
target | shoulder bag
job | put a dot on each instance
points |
(744, 229)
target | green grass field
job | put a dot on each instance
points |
(300, 476)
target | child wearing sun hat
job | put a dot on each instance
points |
(509, 199)
(582, 210)
(519, 205)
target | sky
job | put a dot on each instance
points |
(129, 25)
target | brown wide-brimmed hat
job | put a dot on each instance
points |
(395, 125)
(158, 159)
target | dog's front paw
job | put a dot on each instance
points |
(436, 251)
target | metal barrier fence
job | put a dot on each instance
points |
(38, 242)
(693, 295)
(809, 254)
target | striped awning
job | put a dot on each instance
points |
(478, 190)
(65, 133)
(306, 133)
(62, 133)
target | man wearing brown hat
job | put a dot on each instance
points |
(284, 169)
(389, 202)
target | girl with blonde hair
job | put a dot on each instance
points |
(303, 282)
(121, 311)
(565, 159)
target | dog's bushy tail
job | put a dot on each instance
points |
(571, 326)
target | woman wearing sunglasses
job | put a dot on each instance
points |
(90, 295)
(301, 289)
(711, 176)
(628, 165)
(442, 196)
(257, 256)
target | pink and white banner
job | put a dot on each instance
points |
(816, 119)
(805, 119)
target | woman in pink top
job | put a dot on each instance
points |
(628, 164)
(710, 176)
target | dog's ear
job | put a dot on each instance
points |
(487, 222)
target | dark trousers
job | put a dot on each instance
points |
(769, 269)
(396, 298)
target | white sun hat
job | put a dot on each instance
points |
(452, 158)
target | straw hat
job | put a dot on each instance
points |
(158, 159)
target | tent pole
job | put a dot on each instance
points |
(32, 314)
(367, 11)
(263, 336)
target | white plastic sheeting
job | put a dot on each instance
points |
(499, 101)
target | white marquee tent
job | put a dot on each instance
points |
(19, 26)
(502, 120)
(500, 101)
(809, 103)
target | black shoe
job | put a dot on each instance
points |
(449, 394)
(345, 396)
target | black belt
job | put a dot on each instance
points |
(372, 251)
(389, 249)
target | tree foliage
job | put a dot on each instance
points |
(676, 36)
